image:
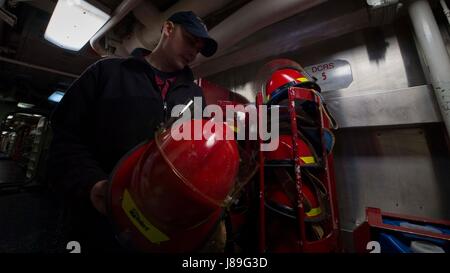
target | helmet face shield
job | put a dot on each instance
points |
(178, 185)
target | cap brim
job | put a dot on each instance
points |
(210, 46)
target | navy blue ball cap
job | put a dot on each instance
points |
(195, 26)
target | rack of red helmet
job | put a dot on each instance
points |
(329, 242)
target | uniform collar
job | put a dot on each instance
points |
(137, 57)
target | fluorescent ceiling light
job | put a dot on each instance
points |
(73, 23)
(56, 96)
(24, 105)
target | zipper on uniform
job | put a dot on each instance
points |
(165, 110)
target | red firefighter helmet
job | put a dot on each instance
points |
(276, 76)
(284, 78)
(168, 195)
(281, 197)
(281, 202)
(281, 192)
(285, 151)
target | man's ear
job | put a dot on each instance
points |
(168, 28)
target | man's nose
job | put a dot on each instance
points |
(199, 46)
(193, 52)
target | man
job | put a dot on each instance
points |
(113, 106)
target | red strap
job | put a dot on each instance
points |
(164, 85)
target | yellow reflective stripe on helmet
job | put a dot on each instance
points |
(314, 212)
(308, 159)
(302, 79)
(142, 224)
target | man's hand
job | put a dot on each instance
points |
(98, 195)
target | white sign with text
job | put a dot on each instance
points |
(333, 75)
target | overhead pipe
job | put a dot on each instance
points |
(435, 53)
(311, 32)
(119, 13)
(247, 20)
(145, 13)
(38, 67)
(252, 17)
(446, 10)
